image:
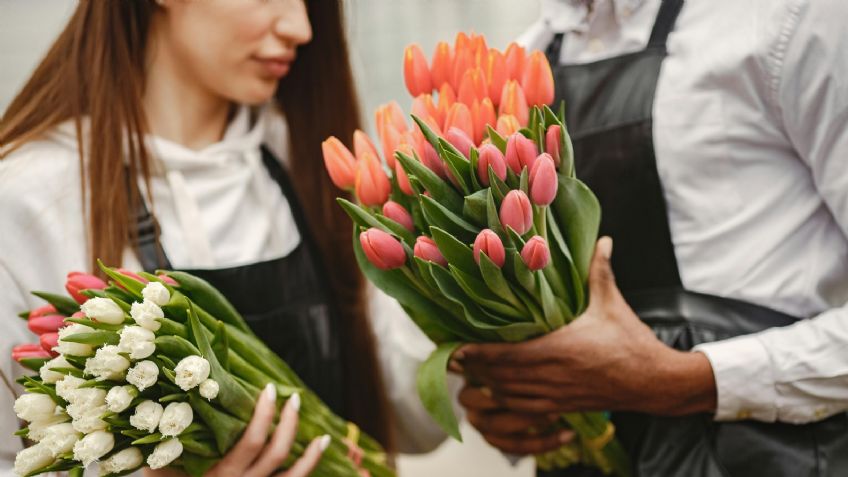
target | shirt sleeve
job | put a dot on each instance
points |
(799, 373)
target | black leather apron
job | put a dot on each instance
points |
(609, 115)
(285, 301)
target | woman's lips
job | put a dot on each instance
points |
(276, 67)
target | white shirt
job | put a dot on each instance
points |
(751, 139)
(217, 207)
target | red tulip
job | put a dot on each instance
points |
(46, 324)
(538, 80)
(382, 250)
(507, 125)
(372, 183)
(78, 281)
(426, 249)
(536, 254)
(49, 341)
(340, 163)
(168, 280)
(516, 212)
(442, 65)
(43, 311)
(416, 72)
(80, 314)
(490, 156)
(460, 141)
(482, 115)
(459, 116)
(472, 87)
(489, 243)
(28, 351)
(514, 102)
(514, 61)
(394, 211)
(543, 180)
(521, 152)
(496, 74)
(553, 141)
(362, 144)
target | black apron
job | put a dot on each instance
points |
(609, 116)
(285, 301)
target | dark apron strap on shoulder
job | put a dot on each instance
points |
(664, 24)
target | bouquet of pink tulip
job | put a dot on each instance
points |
(482, 232)
(160, 371)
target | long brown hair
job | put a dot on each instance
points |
(96, 69)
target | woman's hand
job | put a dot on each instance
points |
(255, 455)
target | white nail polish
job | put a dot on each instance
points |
(271, 391)
(294, 402)
(324, 442)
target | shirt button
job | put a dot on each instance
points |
(743, 414)
(596, 45)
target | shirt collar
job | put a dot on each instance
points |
(561, 16)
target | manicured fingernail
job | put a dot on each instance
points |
(271, 392)
(294, 402)
(485, 391)
(566, 436)
(324, 442)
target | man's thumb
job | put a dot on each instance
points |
(601, 278)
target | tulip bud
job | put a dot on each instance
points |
(42, 311)
(472, 87)
(459, 116)
(521, 152)
(33, 407)
(133, 275)
(431, 159)
(516, 212)
(514, 61)
(156, 293)
(46, 324)
(460, 140)
(394, 211)
(175, 419)
(143, 375)
(538, 80)
(147, 314)
(137, 342)
(78, 281)
(209, 389)
(390, 139)
(447, 97)
(390, 114)
(32, 459)
(49, 341)
(103, 310)
(119, 398)
(400, 173)
(553, 142)
(482, 115)
(424, 108)
(463, 60)
(489, 243)
(479, 49)
(168, 280)
(164, 453)
(514, 102)
(340, 163)
(28, 351)
(191, 371)
(93, 446)
(146, 416)
(536, 254)
(362, 144)
(442, 65)
(543, 180)
(507, 125)
(416, 72)
(382, 250)
(496, 74)
(70, 348)
(461, 42)
(127, 459)
(46, 372)
(372, 183)
(490, 156)
(426, 249)
(107, 364)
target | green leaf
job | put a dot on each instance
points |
(578, 213)
(553, 313)
(480, 293)
(522, 274)
(494, 278)
(197, 466)
(94, 338)
(524, 181)
(209, 298)
(175, 347)
(475, 207)
(521, 331)
(128, 283)
(498, 187)
(428, 133)
(498, 140)
(439, 189)
(33, 364)
(455, 251)
(154, 438)
(433, 389)
(439, 216)
(398, 230)
(225, 427)
(475, 181)
(97, 325)
(64, 305)
(360, 216)
(457, 164)
(492, 214)
(221, 346)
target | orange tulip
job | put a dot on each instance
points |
(538, 80)
(482, 115)
(514, 102)
(446, 99)
(442, 65)
(459, 116)
(400, 173)
(461, 42)
(416, 72)
(496, 74)
(473, 87)
(362, 144)
(507, 125)
(340, 163)
(479, 49)
(423, 107)
(372, 183)
(389, 140)
(514, 61)
(463, 60)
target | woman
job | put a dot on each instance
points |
(156, 135)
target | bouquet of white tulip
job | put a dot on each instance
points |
(159, 371)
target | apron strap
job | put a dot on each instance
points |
(664, 24)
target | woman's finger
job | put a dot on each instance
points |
(310, 458)
(275, 453)
(239, 458)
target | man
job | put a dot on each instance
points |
(715, 134)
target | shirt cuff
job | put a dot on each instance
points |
(744, 379)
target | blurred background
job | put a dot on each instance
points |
(378, 32)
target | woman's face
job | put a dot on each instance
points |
(236, 49)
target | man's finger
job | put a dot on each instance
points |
(310, 458)
(523, 444)
(497, 354)
(478, 399)
(253, 440)
(277, 450)
(504, 423)
(529, 405)
(527, 390)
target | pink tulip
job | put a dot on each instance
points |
(49, 341)
(538, 80)
(489, 243)
(441, 67)
(521, 152)
(424, 107)
(46, 324)
(340, 163)
(516, 212)
(430, 158)
(490, 156)
(362, 144)
(28, 351)
(399, 214)
(416, 72)
(168, 280)
(43, 311)
(460, 141)
(78, 314)
(382, 250)
(543, 180)
(78, 281)
(553, 138)
(372, 184)
(426, 249)
(536, 254)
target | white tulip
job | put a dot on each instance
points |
(103, 310)
(32, 459)
(88, 419)
(146, 416)
(147, 314)
(209, 389)
(34, 407)
(38, 429)
(51, 377)
(137, 342)
(128, 459)
(118, 398)
(143, 375)
(107, 364)
(93, 446)
(156, 293)
(60, 438)
(191, 371)
(66, 385)
(73, 349)
(164, 453)
(87, 397)
(175, 419)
